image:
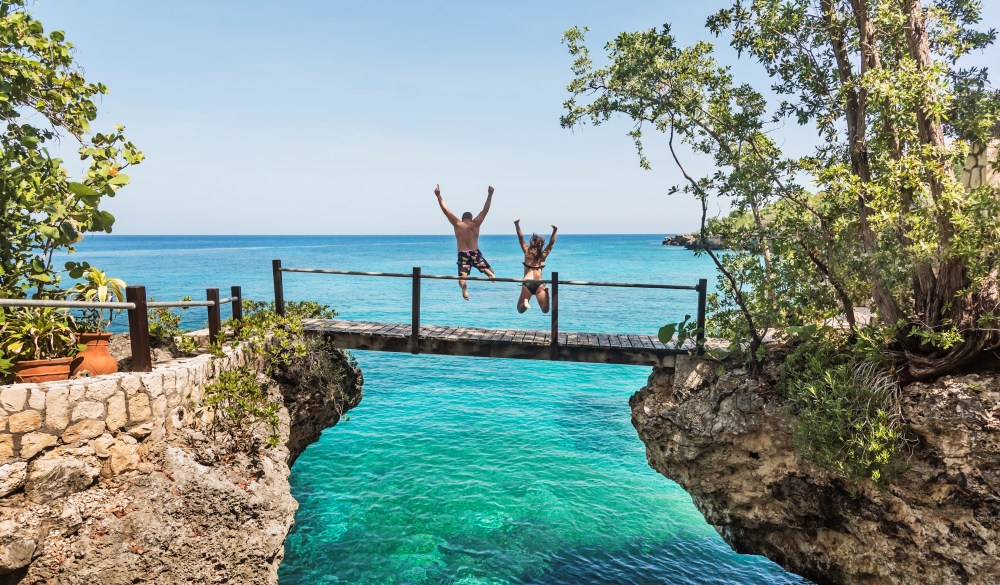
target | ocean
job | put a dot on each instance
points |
(458, 470)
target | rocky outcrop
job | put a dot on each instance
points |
(728, 441)
(692, 241)
(165, 500)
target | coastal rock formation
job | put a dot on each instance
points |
(728, 441)
(163, 499)
(692, 241)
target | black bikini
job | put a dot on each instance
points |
(533, 286)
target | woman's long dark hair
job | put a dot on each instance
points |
(535, 247)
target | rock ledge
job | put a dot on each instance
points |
(728, 442)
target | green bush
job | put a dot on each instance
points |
(242, 406)
(164, 323)
(850, 419)
(280, 340)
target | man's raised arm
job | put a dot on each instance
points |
(486, 208)
(447, 212)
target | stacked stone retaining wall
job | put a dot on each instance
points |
(107, 418)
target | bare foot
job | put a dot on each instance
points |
(525, 304)
(465, 294)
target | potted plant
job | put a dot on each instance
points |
(96, 287)
(40, 343)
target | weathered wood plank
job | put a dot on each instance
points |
(477, 334)
(399, 330)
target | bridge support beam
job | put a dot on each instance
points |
(415, 318)
(279, 289)
(702, 299)
(554, 308)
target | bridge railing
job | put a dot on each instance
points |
(138, 317)
(417, 275)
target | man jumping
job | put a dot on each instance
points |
(467, 238)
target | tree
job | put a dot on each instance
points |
(886, 219)
(45, 98)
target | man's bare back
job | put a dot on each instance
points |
(467, 239)
(467, 235)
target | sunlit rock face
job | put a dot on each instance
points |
(728, 441)
(159, 496)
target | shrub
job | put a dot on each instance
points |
(241, 403)
(242, 406)
(850, 418)
(164, 324)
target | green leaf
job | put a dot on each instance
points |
(107, 220)
(83, 190)
(50, 232)
(666, 333)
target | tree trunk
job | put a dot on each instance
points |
(936, 284)
(856, 106)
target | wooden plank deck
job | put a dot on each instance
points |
(604, 348)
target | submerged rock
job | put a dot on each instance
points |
(728, 441)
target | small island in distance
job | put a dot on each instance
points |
(691, 241)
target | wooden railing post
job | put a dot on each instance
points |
(702, 299)
(237, 295)
(138, 329)
(279, 289)
(415, 317)
(214, 314)
(554, 307)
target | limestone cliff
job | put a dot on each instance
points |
(727, 441)
(160, 499)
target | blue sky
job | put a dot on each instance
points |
(337, 117)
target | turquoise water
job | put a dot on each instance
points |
(470, 470)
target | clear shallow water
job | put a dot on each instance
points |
(468, 470)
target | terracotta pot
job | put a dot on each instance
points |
(95, 359)
(42, 370)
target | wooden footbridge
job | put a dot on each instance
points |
(412, 337)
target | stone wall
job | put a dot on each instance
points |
(981, 164)
(112, 412)
(119, 479)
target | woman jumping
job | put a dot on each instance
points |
(534, 261)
